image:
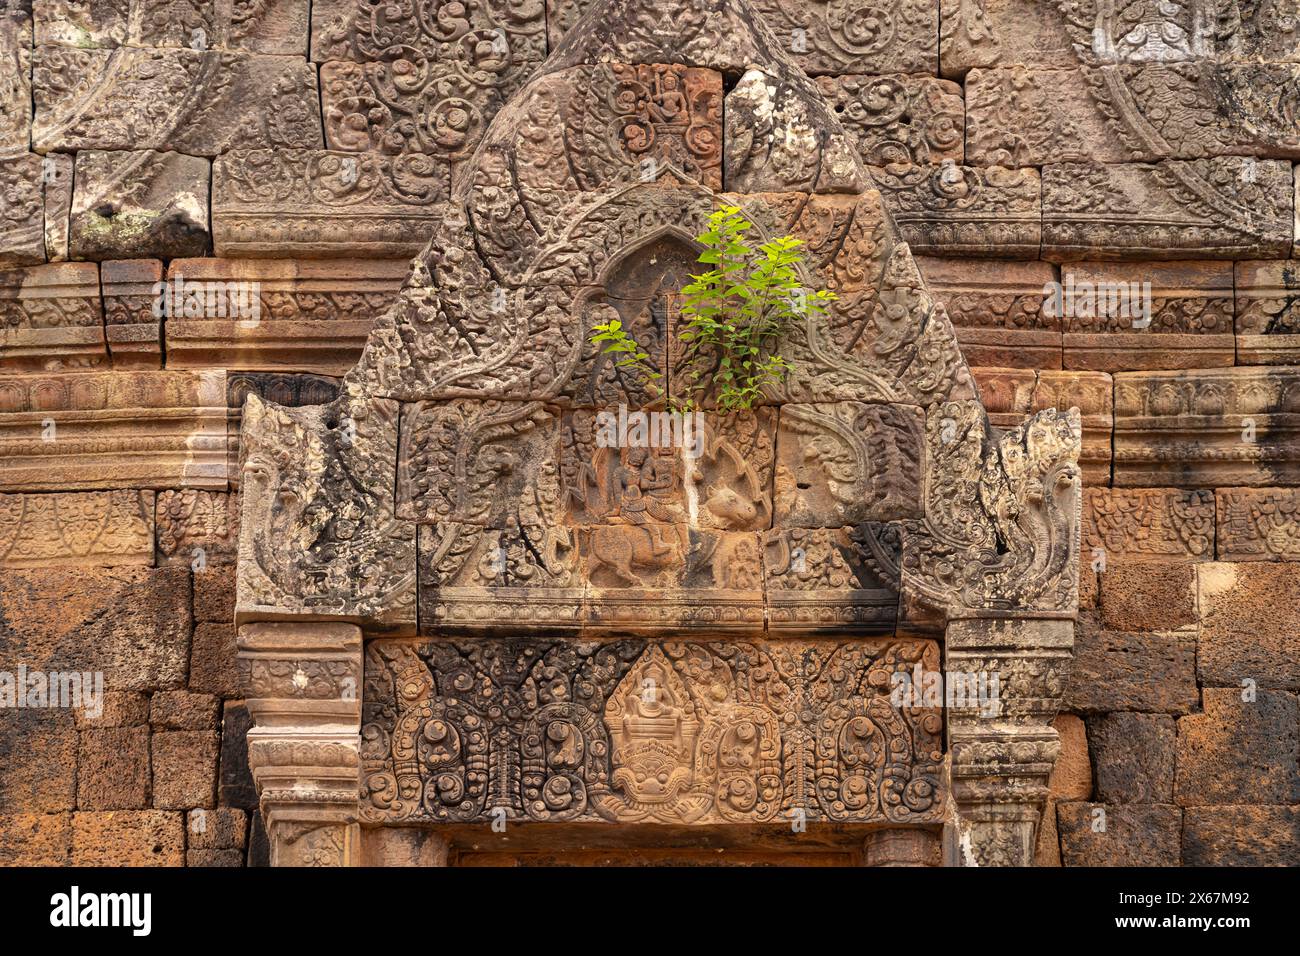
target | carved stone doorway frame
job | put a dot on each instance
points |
(342, 503)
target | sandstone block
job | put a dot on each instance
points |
(199, 529)
(56, 178)
(1000, 32)
(1150, 210)
(1130, 834)
(1207, 428)
(133, 624)
(273, 26)
(1267, 311)
(1239, 751)
(50, 318)
(128, 838)
(1149, 524)
(35, 192)
(39, 771)
(216, 101)
(1147, 316)
(184, 769)
(843, 577)
(364, 110)
(1024, 32)
(1250, 625)
(1071, 777)
(163, 214)
(113, 769)
(1241, 836)
(899, 118)
(182, 710)
(1135, 757)
(73, 528)
(1032, 116)
(343, 30)
(133, 319)
(777, 138)
(997, 310)
(964, 210)
(1257, 524)
(22, 211)
(16, 96)
(275, 315)
(112, 430)
(212, 662)
(823, 40)
(35, 839)
(1148, 596)
(1138, 672)
(812, 444)
(315, 203)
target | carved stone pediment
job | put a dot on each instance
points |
(561, 541)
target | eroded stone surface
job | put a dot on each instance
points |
(1223, 207)
(200, 103)
(94, 527)
(1207, 428)
(106, 430)
(139, 203)
(273, 26)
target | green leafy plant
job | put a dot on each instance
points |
(618, 341)
(736, 313)
(734, 317)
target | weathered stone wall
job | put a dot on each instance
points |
(148, 140)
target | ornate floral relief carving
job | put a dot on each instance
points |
(494, 464)
(899, 119)
(652, 732)
(842, 577)
(839, 36)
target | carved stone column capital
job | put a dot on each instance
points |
(1002, 743)
(913, 847)
(302, 684)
